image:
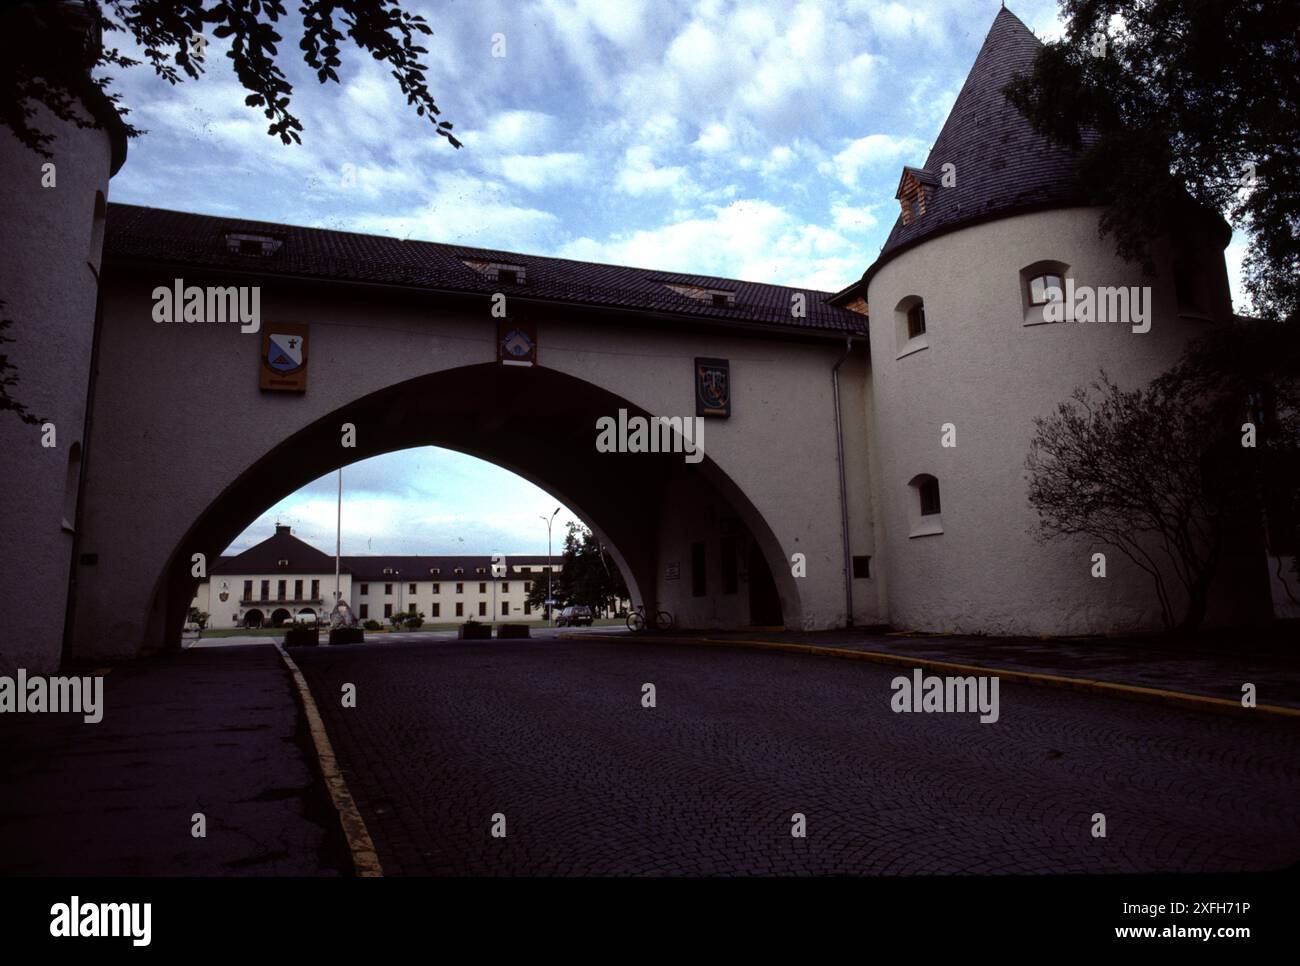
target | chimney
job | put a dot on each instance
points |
(281, 528)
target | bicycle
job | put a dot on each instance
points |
(637, 620)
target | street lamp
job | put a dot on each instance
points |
(549, 568)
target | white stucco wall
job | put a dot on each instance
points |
(989, 374)
(47, 279)
(165, 386)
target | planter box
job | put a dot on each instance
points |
(309, 637)
(512, 630)
(347, 635)
(475, 632)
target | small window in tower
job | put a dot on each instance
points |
(1046, 288)
(916, 320)
(929, 488)
(926, 519)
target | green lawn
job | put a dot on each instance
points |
(279, 631)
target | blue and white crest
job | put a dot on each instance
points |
(284, 352)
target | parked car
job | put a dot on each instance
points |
(573, 617)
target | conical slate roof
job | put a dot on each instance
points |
(1001, 164)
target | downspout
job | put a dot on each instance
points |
(844, 493)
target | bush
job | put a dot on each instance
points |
(414, 621)
(199, 617)
(372, 625)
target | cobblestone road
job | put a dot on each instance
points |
(553, 735)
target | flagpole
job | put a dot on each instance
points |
(338, 540)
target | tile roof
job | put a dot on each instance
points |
(155, 234)
(265, 557)
(1001, 164)
(409, 568)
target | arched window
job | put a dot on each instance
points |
(916, 320)
(1041, 284)
(929, 490)
(97, 230)
(1046, 287)
(70, 482)
(910, 325)
(924, 512)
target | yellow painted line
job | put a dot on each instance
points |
(364, 856)
(1198, 702)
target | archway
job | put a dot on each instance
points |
(537, 423)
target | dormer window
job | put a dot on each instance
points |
(719, 298)
(388, 570)
(460, 571)
(915, 188)
(434, 571)
(480, 570)
(241, 243)
(507, 273)
(282, 564)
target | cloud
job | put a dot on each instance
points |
(747, 239)
(465, 209)
(417, 501)
(538, 171)
(512, 131)
(871, 152)
(852, 218)
(714, 139)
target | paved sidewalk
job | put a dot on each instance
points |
(1273, 666)
(217, 732)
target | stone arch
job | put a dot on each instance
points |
(538, 423)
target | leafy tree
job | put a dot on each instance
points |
(9, 377)
(1161, 472)
(199, 617)
(1177, 105)
(588, 576)
(39, 67)
(537, 595)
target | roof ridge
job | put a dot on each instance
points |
(456, 250)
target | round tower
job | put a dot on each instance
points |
(53, 210)
(965, 354)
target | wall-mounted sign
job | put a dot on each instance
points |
(712, 388)
(672, 571)
(516, 342)
(284, 357)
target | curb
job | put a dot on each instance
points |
(364, 856)
(1198, 702)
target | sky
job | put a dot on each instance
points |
(750, 139)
